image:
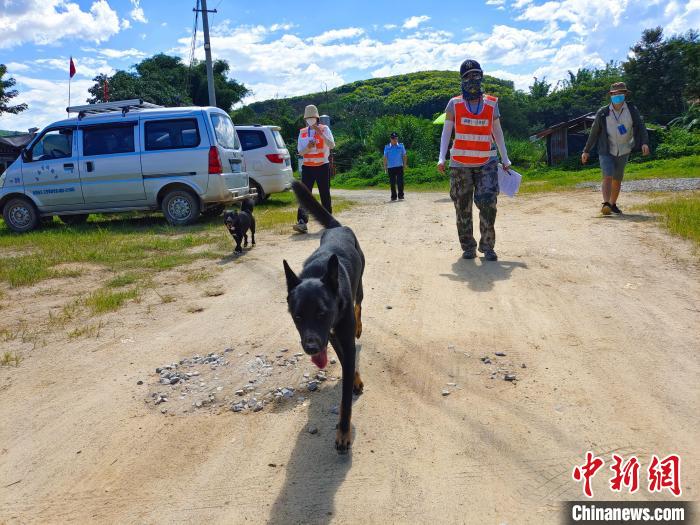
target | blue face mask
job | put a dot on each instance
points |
(617, 99)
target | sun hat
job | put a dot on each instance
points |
(619, 87)
(311, 111)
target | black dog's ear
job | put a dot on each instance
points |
(292, 279)
(331, 277)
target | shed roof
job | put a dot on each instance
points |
(17, 141)
(573, 123)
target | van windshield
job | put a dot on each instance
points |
(225, 132)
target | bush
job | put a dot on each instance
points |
(525, 154)
(678, 142)
(415, 133)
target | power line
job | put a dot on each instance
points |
(193, 46)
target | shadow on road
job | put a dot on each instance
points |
(297, 237)
(315, 471)
(233, 256)
(481, 277)
(630, 217)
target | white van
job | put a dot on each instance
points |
(124, 156)
(267, 159)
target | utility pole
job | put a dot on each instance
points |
(207, 51)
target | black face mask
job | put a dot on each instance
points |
(471, 88)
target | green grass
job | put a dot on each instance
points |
(102, 301)
(427, 178)
(680, 214)
(280, 214)
(9, 358)
(89, 330)
(198, 276)
(133, 245)
(123, 280)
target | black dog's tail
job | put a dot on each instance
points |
(247, 205)
(307, 201)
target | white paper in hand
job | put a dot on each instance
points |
(508, 181)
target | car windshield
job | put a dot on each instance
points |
(278, 139)
(225, 132)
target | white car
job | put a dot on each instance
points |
(267, 159)
(124, 156)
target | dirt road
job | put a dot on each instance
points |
(602, 313)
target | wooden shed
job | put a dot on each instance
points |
(10, 148)
(566, 138)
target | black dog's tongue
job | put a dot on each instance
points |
(321, 359)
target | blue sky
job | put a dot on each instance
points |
(280, 49)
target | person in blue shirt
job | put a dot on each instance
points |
(394, 164)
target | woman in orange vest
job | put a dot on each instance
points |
(475, 118)
(314, 144)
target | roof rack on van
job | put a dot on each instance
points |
(119, 105)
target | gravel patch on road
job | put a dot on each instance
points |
(235, 381)
(651, 185)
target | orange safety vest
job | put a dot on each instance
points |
(472, 144)
(316, 156)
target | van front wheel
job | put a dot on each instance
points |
(180, 207)
(20, 215)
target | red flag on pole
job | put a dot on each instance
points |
(72, 68)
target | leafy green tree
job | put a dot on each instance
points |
(7, 94)
(583, 92)
(540, 88)
(664, 75)
(165, 80)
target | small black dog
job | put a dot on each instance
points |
(238, 224)
(325, 302)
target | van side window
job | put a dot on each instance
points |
(106, 140)
(252, 139)
(55, 144)
(171, 134)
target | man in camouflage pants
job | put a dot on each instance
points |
(475, 118)
(479, 185)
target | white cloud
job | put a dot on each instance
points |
(121, 53)
(682, 17)
(582, 16)
(337, 34)
(415, 21)
(312, 79)
(390, 26)
(281, 27)
(47, 100)
(125, 24)
(45, 22)
(84, 66)
(137, 13)
(16, 66)
(288, 65)
(495, 2)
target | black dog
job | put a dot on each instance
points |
(238, 224)
(325, 302)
